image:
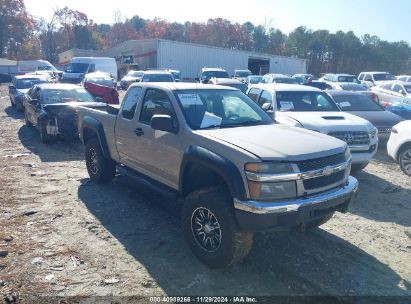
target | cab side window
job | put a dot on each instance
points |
(130, 102)
(254, 93)
(156, 102)
(265, 97)
(397, 88)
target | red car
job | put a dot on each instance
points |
(101, 85)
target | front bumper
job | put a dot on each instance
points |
(259, 216)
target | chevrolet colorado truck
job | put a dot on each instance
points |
(217, 152)
(310, 108)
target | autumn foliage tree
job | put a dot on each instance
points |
(16, 27)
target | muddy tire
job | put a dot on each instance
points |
(100, 169)
(404, 159)
(358, 167)
(210, 229)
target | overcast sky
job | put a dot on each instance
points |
(390, 20)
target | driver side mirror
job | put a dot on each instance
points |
(197, 79)
(402, 92)
(163, 123)
(12, 87)
(267, 106)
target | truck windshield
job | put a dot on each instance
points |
(158, 78)
(76, 67)
(212, 108)
(216, 74)
(52, 96)
(356, 103)
(242, 73)
(300, 101)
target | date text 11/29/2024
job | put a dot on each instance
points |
(239, 299)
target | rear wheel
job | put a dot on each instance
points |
(404, 159)
(210, 230)
(100, 168)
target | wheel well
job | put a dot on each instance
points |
(197, 176)
(88, 134)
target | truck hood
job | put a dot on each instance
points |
(278, 142)
(328, 121)
(379, 118)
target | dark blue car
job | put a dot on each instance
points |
(20, 86)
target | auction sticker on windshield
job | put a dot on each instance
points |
(286, 105)
(345, 104)
(189, 99)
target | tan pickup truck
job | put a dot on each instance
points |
(234, 170)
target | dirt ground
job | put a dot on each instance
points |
(62, 235)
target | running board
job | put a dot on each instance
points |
(147, 181)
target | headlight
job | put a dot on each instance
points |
(271, 191)
(373, 132)
(347, 153)
(260, 190)
(269, 168)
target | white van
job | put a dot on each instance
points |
(31, 66)
(77, 67)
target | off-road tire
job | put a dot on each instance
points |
(358, 167)
(403, 158)
(234, 244)
(100, 169)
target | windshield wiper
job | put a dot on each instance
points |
(210, 127)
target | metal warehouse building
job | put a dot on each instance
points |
(190, 58)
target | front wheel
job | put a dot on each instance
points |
(210, 230)
(404, 160)
(100, 168)
(45, 138)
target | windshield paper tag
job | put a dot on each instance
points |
(287, 105)
(345, 104)
(189, 99)
(210, 119)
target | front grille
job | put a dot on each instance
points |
(323, 181)
(320, 163)
(352, 138)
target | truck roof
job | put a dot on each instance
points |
(286, 87)
(183, 86)
(59, 86)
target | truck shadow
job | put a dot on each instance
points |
(380, 200)
(316, 263)
(53, 152)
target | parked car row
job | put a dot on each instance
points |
(240, 157)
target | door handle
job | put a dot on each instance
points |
(139, 131)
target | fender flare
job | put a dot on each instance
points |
(97, 127)
(217, 163)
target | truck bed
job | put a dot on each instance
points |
(106, 116)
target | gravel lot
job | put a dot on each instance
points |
(63, 235)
